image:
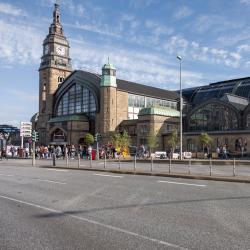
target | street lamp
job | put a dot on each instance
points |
(180, 59)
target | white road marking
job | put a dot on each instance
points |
(56, 182)
(8, 175)
(117, 229)
(106, 175)
(181, 183)
(58, 170)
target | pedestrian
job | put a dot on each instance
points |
(224, 152)
(89, 152)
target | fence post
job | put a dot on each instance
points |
(152, 164)
(135, 163)
(119, 163)
(104, 161)
(67, 160)
(54, 159)
(34, 154)
(189, 167)
(90, 160)
(210, 167)
(234, 172)
(79, 160)
(169, 167)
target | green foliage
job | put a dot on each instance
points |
(174, 139)
(152, 141)
(205, 139)
(121, 140)
(89, 139)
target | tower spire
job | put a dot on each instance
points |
(56, 13)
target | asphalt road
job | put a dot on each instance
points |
(70, 209)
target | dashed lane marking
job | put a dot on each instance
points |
(181, 183)
(50, 181)
(106, 175)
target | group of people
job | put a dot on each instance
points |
(222, 151)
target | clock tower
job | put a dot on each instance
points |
(54, 68)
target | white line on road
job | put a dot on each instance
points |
(56, 182)
(8, 175)
(181, 183)
(58, 170)
(117, 229)
(106, 175)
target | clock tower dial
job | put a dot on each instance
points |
(60, 50)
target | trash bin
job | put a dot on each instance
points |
(93, 154)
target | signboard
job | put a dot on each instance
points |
(25, 129)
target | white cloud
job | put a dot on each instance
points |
(245, 2)
(183, 12)
(142, 67)
(11, 10)
(20, 44)
(102, 30)
(142, 3)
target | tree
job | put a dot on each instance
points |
(174, 139)
(152, 141)
(89, 139)
(121, 140)
(125, 139)
(205, 140)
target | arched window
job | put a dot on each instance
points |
(76, 100)
(248, 121)
(58, 136)
(213, 117)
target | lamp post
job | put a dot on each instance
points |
(180, 59)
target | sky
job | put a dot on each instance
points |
(141, 37)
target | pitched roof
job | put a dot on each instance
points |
(136, 88)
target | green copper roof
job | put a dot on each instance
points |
(164, 111)
(108, 66)
(68, 118)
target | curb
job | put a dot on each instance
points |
(173, 175)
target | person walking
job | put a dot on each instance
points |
(89, 152)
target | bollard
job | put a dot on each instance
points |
(119, 163)
(54, 159)
(90, 160)
(169, 167)
(152, 164)
(234, 173)
(79, 160)
(135, 163)
(67, 160)
(33, 155)
(210, 167)
(104, 161)
(189, 167)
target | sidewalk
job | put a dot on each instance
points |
(142, 168)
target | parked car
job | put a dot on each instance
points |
(160, 154)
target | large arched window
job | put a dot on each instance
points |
(213, 117)
(76, 100)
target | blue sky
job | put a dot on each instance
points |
(141, 37)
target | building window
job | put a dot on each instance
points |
(213, 117)
(137, 102)
(77, 100)
(169, 128)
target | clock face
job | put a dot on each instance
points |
(46, 49)
(60, 50)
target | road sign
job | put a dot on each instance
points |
(25, 129)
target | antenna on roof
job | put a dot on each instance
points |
(58, 2)
(108, 59)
